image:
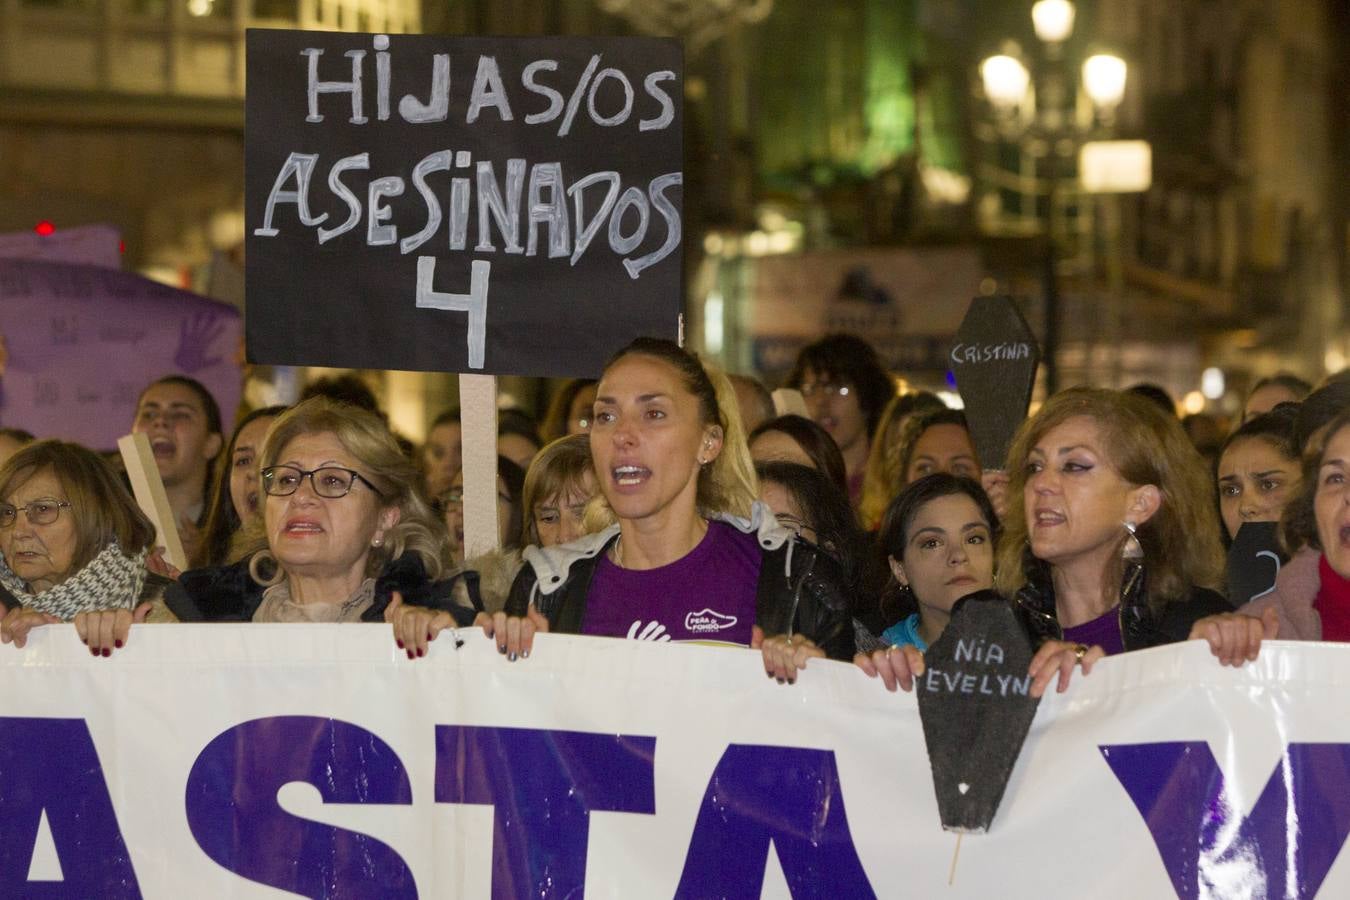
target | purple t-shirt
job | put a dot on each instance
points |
(708, 595)
(1103, 630)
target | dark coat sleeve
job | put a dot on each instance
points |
(1177, 618)
(809, 600)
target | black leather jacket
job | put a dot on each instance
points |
(1140, 627)
(229, 593)
(799, 592)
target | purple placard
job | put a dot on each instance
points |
(89, 245)
(84, 340)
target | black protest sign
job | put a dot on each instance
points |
(1253, 561)
(994, 360)
(492, 205)
(976, 708)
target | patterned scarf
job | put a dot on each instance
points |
(110, 581)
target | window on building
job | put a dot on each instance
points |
(289, 10)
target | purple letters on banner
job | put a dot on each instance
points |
(1284, 848)
(788, 795)
(51, 765)
(233, 812)
(83, 341)
(543, 785)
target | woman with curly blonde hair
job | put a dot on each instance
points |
(1111, 540)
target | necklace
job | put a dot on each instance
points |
(616, 551)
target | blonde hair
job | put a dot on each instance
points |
(560, 468)
(726, 485)
(366, 437)
(884, 475)
(1182, 548)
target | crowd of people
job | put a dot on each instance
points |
(667, 501)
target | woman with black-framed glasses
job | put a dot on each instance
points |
(73, 546)
(345, 531)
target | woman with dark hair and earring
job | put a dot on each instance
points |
(1111, 542)
(846, 390)
(688, 555)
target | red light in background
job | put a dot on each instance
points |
(121, 246)
(44, 228)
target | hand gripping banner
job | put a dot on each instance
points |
(263, 761)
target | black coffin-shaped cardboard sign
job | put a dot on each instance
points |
(994, 360)
(490, 205)
(1253, 561)
(976, 708)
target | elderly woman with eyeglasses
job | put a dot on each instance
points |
(73, 546)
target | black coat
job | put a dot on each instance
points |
(1140, 626)
(806, 600)
(229, 593)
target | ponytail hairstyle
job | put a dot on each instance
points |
(727, 484)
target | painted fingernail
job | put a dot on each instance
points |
(400, 644)
(770, 674)
(511, 657)
(421, 652)
(107, 652)
(781, 681)
(410, 655)
(117, 644)
(93, 651)
(501, 648)
(524, 654)
(430, 636)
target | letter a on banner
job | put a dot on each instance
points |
(759, 795)
(50, 767)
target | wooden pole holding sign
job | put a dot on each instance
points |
(478, 440)
(151, 497)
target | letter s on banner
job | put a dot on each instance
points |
(233, 812)
(51, 765)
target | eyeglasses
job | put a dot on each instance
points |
(39, 512)
(329, 482)
(796, 526)
(825, 389)
(456, 498)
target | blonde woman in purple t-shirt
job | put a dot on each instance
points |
(681, 550)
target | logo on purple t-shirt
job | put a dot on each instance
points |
(709, 595)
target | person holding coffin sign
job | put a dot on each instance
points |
(1111, 538)
(939, 537)
(73, 547)
(1317, 523)
(691, 555)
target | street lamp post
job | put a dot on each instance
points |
(1050, 111)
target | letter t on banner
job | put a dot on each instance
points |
(544, 785)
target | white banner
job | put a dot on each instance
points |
(178, 768)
